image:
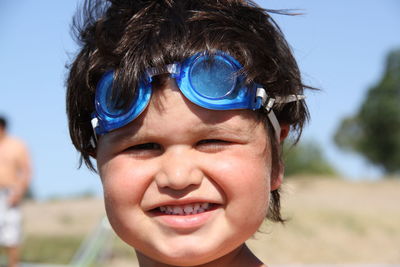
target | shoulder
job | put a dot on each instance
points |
(15, 144)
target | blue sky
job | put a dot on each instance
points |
(340, 46)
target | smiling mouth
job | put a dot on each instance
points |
(188, 209)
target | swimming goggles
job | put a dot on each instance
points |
(211, 81)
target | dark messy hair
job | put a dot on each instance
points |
(3, 122)
(130, 36)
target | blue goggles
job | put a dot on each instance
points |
(211, 81)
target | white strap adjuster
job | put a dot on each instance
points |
(95, 124)
(266, 102)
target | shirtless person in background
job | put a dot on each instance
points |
(15, 174)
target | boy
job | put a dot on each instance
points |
(15, 174)
(183, 105)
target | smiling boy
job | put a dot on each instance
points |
(183, 105)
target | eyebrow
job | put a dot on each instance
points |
(211, 129)
(127, 133)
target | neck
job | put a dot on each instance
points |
(241, 256)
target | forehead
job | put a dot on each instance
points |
(170, 112)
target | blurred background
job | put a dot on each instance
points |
(341, 193)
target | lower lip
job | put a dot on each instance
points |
(185, 222)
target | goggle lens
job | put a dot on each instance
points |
(212, 78)
(113, 104)
(110, 102)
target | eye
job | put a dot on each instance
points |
(145, 149)
(146, 146)
(212, 145)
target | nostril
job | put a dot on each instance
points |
(178, 179)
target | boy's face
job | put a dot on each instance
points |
(178, 157)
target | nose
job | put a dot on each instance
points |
(178, 170)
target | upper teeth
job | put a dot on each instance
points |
(185, 209)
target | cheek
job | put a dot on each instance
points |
(123, 183)
(245, 181)
(251, 187)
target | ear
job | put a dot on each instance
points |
(284, 132)
(276, 183)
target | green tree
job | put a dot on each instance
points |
(306, 158)
(374, 132)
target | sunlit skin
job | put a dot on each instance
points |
(177, 153)
(15, 169)
(15, 174)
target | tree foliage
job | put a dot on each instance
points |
(374, 132)
(306, 158)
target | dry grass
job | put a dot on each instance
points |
(334, 221)
(331, 221)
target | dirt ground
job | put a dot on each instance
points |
(62, 217)
(329, 221)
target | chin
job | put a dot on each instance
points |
(184, 258)
(192, 252)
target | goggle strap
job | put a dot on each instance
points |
(93, 142)
(289, 98)
(275, 124)
(173, 69)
